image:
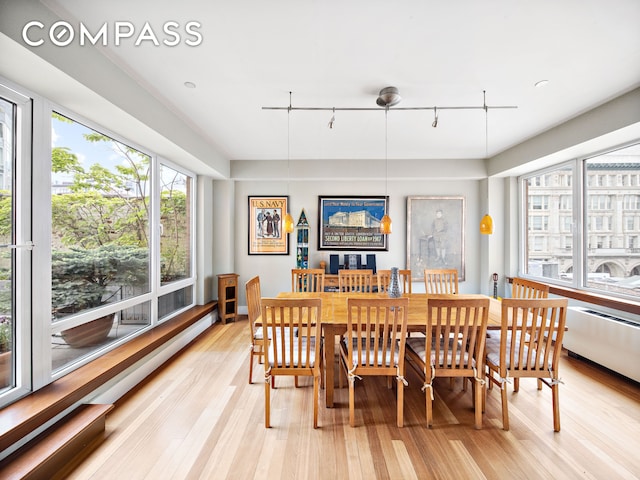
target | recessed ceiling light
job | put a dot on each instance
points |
(541, 83)
(189, 84)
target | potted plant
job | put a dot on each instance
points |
(84, 279)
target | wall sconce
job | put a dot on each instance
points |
(486, 225)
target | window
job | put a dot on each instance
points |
(604, 225)
(94, 208)
(539, 202)
(600, 202)
(15, 243)
(100, 251)
(7, 284)
(175, 223)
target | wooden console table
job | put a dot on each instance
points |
(228, 297)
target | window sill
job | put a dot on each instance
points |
(615, 303)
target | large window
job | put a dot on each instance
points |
(101, 230)
(605, 208)
(100, 251)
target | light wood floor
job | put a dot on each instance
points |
(199, 418)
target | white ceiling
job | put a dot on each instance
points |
(337, 53)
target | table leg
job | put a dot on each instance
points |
(329, 361)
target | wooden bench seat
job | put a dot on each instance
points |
(48, 453)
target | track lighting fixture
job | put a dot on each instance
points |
(333, 119)
(435, 117)
(388, 98)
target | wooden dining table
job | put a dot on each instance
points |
(334, 320)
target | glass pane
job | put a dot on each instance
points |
(174, 301)
(549, 198)
(613, 221)
(175, 222)
(100, 219)
(74, 344)
(7, 237)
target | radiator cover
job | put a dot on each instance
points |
(604, 339)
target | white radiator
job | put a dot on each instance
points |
(604, 339)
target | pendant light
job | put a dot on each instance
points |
(288, 219)
(486, 224)
(385, 223)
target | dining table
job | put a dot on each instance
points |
(334, 320)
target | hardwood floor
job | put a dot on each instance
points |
(198, 418)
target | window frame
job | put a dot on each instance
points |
(582, 191)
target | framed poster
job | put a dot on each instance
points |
(266, 216)
(351, 223)
(435, 234)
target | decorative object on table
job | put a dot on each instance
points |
(302, 250)
(495, 285)
(351, 223)
(394, 286)
(435, 234)
(266, 235)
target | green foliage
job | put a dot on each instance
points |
(80, 277)
(109, 208)
(6, 214)
(5, 333)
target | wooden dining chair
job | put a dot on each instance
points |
(252, 288)
(453, 346)
(520, 288)
(523, 288)
(296, 344)
(384, 279)
(441, 280)
(355, 280)
(307, 280)
(374, 344)
(530, 345)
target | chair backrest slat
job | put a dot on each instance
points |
(376, 330)
(442, 280)
(292, 323)
(523, 288)
(252, 288)
(532, 333)
(456, 330)
(307, 280)
(384, 279)
(355, 280)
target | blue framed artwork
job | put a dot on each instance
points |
(351, 223)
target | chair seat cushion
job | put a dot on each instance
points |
(380, 358)
(294, 361)
(258, 334)
(493, 352)
(418, 347)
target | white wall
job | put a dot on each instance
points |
(275, 270)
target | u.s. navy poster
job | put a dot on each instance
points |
(266, 234)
